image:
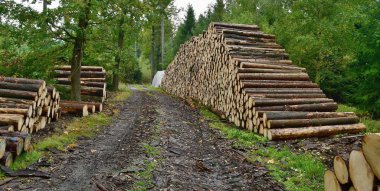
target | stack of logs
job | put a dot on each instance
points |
(26, 106)
(247, 77)
(93, 88)
(362, 172)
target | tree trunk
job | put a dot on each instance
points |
(162, 40)
(152, 65)
(120, 44)
(77, 57)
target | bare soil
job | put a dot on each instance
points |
(192, 156)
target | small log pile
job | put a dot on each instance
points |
(243, 74)
(362, 172)
(26, 106)
(93, 82)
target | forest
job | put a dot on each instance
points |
(338, 42)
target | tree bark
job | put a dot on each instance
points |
(79, 45)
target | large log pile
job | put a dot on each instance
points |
(246, 76)
(26, 106)
(93, 82)
(362, 172)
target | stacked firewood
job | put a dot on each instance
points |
(93, 89)
(362, 171)
(26, 106)
(243, 74)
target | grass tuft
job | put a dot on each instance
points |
(373, 126)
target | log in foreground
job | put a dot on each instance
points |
(321, 131)
(331, 182)
(371, 150)
(341, 170)
(360, 172)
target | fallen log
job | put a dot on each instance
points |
(98, 106)
(321, 131)
(15, 145)
(371, 150)
(253, 84)
(12, 119)
(26, 112)
(65, 81)
(286, 96)
(83, 68)
(361, 174)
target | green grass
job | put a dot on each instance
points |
(150, 87)
(78, 128)
(299, 172)
(138, 87)
(144, 65)
(145, 177)
(373, 126)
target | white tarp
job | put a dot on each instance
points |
(158, 78)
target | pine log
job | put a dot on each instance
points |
(270, 66)
(341, 170)
(12, 119)
(286, 123)
(278, 115)
(283, 90)
(361, 174)
(15, 145)
(19, 94)
(286, 96)
(65, 81)
(83, 74)
(7, 159)
(276, 102)
(7, 128)
(77, 109)
(2, 147)
(91, 91)
(98, 106)
(83, 68)
(26, 112)
(305, 107)
(17, 101)
(274, 76)
(279, 85)
(23, 87)
(330, 182)
(23, 81)
(249, 34)
(321, 131)
(371, 150)
(27, 138)
(235, 26)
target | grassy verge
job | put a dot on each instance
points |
(373, 126)
(85, 127)
(297, 172)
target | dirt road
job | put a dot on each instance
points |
(156, 143)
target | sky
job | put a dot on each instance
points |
(200, 6)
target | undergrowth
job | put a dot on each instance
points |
(373, 126)
(85, 127)
(296, 172)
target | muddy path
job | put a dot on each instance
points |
(152, 128)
